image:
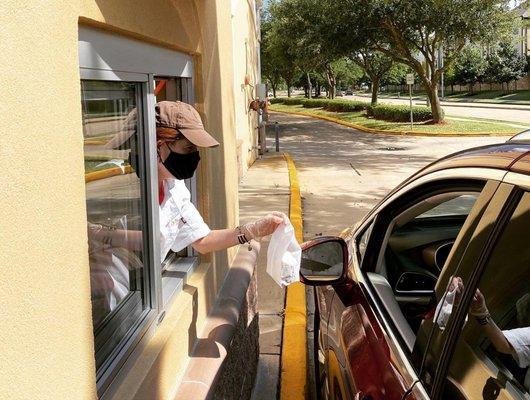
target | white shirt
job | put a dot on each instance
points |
(519, 339)
(180, 222)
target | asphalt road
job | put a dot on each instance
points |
(343, 173)
(518, 114)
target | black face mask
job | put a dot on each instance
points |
(182, 166)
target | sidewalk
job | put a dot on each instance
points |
(266, 188)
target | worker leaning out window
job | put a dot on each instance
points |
(179, 132)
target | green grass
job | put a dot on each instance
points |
(450, 125)
(493, 96)
(486, 96)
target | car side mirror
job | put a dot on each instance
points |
(324, 261)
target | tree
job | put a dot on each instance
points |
(282, 53)
(348, 73)
(449, 77)
(411, 32)
(313, 37)
(269, 64)
(376, 65)
(469, 67)
(505, 64)
(396, 75)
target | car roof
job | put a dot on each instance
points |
(499, 156)
(513, 155)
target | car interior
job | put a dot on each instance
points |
(417, 244)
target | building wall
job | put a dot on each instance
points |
(46, 335)
(245, 22)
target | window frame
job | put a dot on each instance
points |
(108, 57)
(517, 185)
(119, 354)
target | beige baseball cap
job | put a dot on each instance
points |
(184, 118)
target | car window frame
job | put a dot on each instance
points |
(359, 271)
(505, 203)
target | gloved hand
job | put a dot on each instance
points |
(478, 305)
(264, 226)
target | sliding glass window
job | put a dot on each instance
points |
(115, 206)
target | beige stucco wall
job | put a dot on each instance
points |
(245, 54)
(46, 333)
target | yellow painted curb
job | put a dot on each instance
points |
(107, 173)
(293, 357)
(390, 132)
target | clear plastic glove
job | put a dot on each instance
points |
(264, 226)
(478, 305)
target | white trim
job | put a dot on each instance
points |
(515, 178)
(106, 51)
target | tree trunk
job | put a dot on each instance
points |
(309, 86)
(436, 107)
(331, 81)
(274, 91)
(375, 90)
(288, 89)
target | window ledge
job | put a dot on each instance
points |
(202, 371)
(176, 272)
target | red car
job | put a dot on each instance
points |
(398, 314)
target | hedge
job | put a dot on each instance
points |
(293, 101)
(387, 112)
(399, 113)
(346, 106)
(315, 103)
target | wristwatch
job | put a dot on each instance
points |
(483, 319)
(242, 239)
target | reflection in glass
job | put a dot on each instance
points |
(323, 261)
(114, 204)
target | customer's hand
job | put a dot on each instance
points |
(264, 226)
(478, 305)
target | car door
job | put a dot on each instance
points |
(368, 337)
(488, 356)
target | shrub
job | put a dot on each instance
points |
(346, 105)
(293, 101)
(399, 113)
(276, 100)
(314, 103)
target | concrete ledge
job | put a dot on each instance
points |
(225, 336)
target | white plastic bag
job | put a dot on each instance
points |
(284, 255)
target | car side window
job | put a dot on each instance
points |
(492, 354)
(417, 243)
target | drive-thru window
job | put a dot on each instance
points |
(121, 80)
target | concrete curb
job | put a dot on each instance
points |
(293, 355)
(390, 132)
